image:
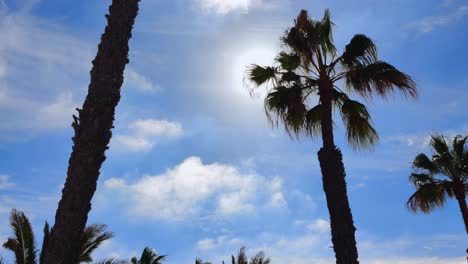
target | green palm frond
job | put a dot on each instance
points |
(422, 162)
(439, 144)
(149, 256)
(379, 78)
(314, 121)
(459, 147)
(112, 261)
(22, 244)
(288, 61)
(93, 237)
(259, 75)
(361, 51)
(242, 257)
(287, 105)
(260, 258)
(430, 195)
(199, 261)
(324, 31)
(359, 130)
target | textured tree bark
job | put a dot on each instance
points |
(92, 134)
(461, 198)
(334, 185)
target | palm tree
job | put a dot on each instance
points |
(198, 261)
(149, 256)
(309, 70)
(443, 176)
(23, 244)
(92, 134)
(241, 258)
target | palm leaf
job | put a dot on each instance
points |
(149, 256)
(259, 75)
(112, 261)
(22, 244)
(288, 61)
(359, 130)
(429, 195)
(379, 78)
(360, 51)
(422, 162)
(260, 258)
(439, 144)
(93, 237)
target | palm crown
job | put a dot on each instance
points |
(310, 65)
(443, 176)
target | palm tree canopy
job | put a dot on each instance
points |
(437, 178)
(149, 256)
(310, 62)
(22, 244)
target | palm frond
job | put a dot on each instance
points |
(22, 244)
(459, 146)
(324, 31)
(359, 130)
(360, 51)
(439, 144)
(260, 258)
(287, 104)
(422, 162)
(314, 121)
(93, 237)
(112, 261)
(429, 195)
(288, 61)
(242, 257)
(259, 75)
(379, 78)
(149, 256)
(200, 261)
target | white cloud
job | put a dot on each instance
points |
(319, 225)
(226, 6)
(5, 182)
(193, 188)
(428, 24)
(144, 132)
(139, 82)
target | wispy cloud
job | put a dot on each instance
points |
(225, 6)
(144, 133)
(428, 24)
(193, 188)
(5, 182)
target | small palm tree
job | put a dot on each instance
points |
(241, 258)
(23, 244)
(149, 256)
(304, 89)
(444, 175)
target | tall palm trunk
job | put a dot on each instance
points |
(92, 134)
(461, 198)
(334, 185)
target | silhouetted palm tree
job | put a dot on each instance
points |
(304, 90)
(149, 256)
(444, 175)
(23, 244)
(92, 134)
(241, 258)
(198, 261)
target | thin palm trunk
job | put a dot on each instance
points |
(334, 185)
(461, 198)
(92, 134)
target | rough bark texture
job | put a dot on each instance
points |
(334, 185)
(92, 134)
(461, 198)
(341, 219)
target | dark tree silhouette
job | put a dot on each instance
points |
(310, 66)
(443, 176)
(92, 134)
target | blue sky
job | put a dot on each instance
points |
(194, 168)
